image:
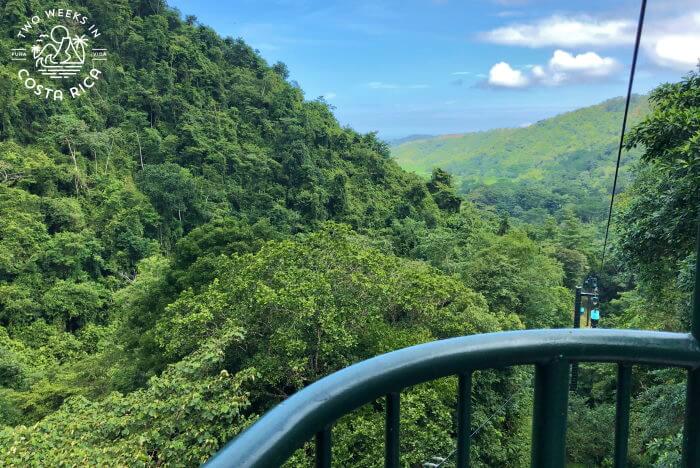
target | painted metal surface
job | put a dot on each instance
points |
(464, 418)
(286, 427)
(549, 414)
(323, 448)
(622, 414)
(691, 430)
(392, 430)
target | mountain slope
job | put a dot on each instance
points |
(190, 163)
(572, 154)
(520, 152)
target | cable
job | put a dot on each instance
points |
(490, 418)
(640, 25)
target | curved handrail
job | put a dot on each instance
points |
(282, 430)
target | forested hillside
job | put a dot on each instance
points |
(531, 172)
(193, 241)
(557, 174)
(652, 267)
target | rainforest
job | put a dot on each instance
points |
(193, 240)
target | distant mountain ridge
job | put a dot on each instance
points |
(409, 138)
(531, 172)
(523, 152)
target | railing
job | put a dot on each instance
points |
(313, 410)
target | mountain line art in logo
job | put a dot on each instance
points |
(62, 45)
(58, 55)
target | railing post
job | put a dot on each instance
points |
(577, 324)
(393, 418)
(323, 448)
(691, 429)
(549, 414)
(464, 415)
(622, 414)
(695, 324)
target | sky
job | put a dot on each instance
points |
(404, 67)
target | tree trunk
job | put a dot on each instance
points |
(76, 177)
(138, 139)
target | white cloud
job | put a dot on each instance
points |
(382, 85)
(677, 51)
(675, 42)
(562, 68)
(669, 39)
(462, 73)
(329, 95)
(502, 75)
(589, 63)
(565, 32)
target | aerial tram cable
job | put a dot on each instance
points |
(440, 461)
(640, 25)
(592, 282)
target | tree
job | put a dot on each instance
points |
(668, 184)
(281, 69)
(307, 317)
(174, 194)
(440, 186)
(75, 304)
(67, 130)
(182, 417)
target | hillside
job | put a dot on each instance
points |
(572, 155)
(524, 153)
(192, 240)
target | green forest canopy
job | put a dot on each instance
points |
(195, 241)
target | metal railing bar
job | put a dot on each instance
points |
(464, 417)
(275, 436)
(392, 430)
(691, 429)
(549, 415)
(622, 414)
(324, 448)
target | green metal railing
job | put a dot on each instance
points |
(276, 435)
(313, 410)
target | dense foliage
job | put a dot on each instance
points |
(556, 187)
(194, 241)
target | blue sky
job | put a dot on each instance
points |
(405, 67)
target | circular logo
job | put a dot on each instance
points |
(60, 54)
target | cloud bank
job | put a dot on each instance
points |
(562, 68)
(672, 42)
(560, 31)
